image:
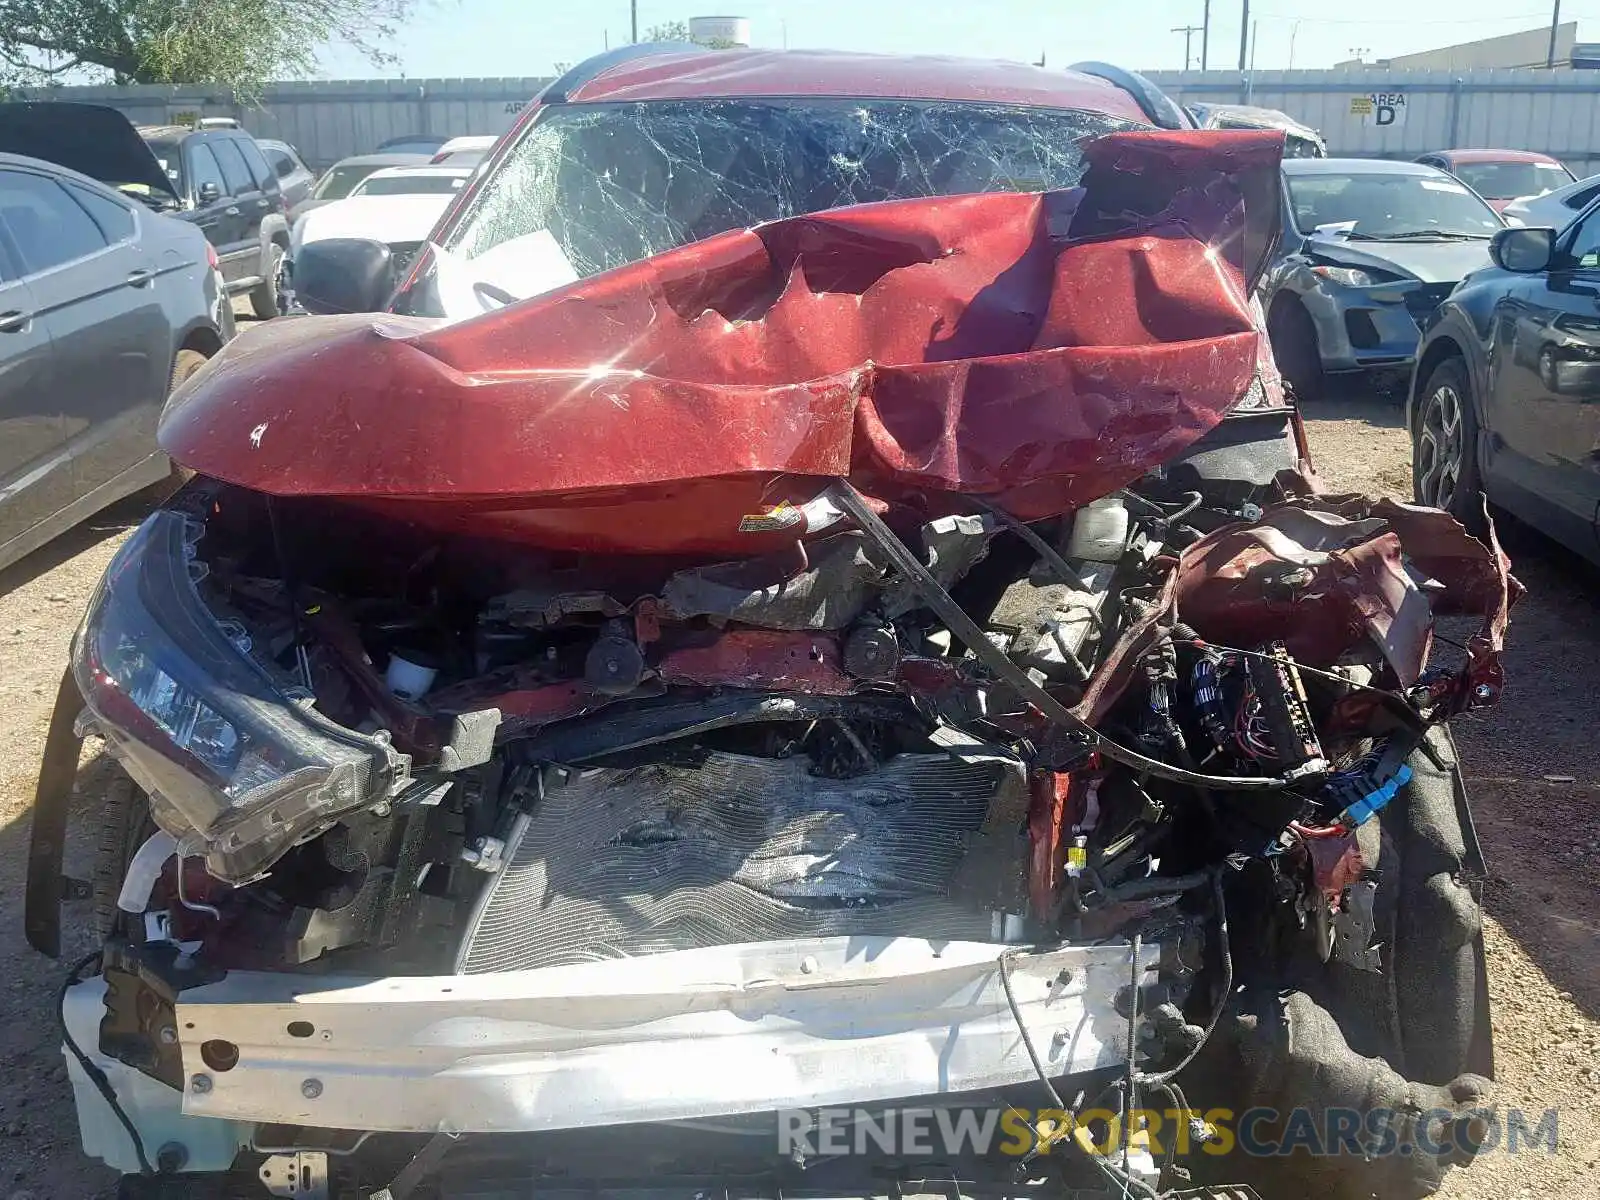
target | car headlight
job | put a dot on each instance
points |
(1350, 276)
(238, 765)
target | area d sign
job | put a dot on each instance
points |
(1385, 110)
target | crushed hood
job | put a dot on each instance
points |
(1431, 262)
(90, 139)
(1038, 349)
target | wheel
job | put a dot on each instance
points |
(185, 365)
(1295, 346)
(1444, 467)
(125, 823)
(1410, 1041)
(264, 299)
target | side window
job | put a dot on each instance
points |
(1581, 199)
(1583, 250)
(233, 166)
(115, 221)
(46, 226)
(282, 164)
(259, 169)
(203, 169)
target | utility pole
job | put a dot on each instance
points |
(1244, 36)
(633, 6)
(1205, 37)
(1188, 32)
(1555, 19)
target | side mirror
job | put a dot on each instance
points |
(1524, 250)
(343, 275)
(210, 193)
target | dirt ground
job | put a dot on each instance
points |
(1533, 765)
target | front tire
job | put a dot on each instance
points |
(1297, 351)
(1444, 462)
(124, 821)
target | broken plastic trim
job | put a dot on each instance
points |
(968, 630)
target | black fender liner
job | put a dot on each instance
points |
(52, 801)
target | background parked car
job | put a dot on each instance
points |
(339, 180)
(1500, 176)
(466, 151)
(413, 181)
(105, 306)
(1506, 395)
(1553, 209)
(233, 195)
(1369, 249)
(295, 180)
(413, 143)
(1299, 140)
(397, 206)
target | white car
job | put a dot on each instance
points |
(1554, 208)
(397, 205)
(465, 151)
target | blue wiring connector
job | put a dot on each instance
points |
(1359, 812)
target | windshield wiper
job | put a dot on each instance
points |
(1442, 235)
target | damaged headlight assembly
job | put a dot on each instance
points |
(237, 763)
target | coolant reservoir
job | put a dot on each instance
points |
(1099, 531)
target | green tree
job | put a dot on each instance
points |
(239, 44)
(678, 31)
(668, 31)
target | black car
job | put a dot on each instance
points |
(1505, 400)
(105, 307)
(230, 190)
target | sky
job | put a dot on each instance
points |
(477, 38)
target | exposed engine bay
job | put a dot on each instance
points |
(1056, 741)
(795, 752)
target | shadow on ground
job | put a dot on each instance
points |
(1533, 768)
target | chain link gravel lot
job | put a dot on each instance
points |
(1533, 766)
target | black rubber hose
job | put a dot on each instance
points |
(964, 627)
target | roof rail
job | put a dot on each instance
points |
(560, 90)
(1156, 104)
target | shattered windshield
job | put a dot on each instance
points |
(592, 187)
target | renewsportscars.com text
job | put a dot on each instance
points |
(1259, 1132)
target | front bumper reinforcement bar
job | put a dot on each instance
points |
(717, 1031)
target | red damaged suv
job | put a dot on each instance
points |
(805, 630)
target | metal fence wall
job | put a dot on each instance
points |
(1557, 112)
(1553, 111)
(329, 120)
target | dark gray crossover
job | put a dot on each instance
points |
(1505, 401)
(105, 306)
(1369, 250)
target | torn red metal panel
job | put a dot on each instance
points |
(1043, 349)
(1052, 809)
(759, 658)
